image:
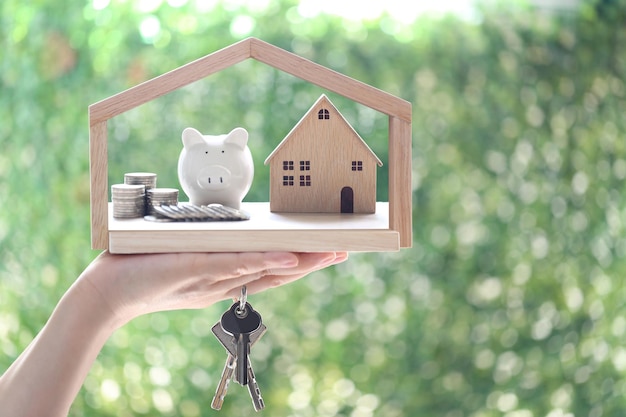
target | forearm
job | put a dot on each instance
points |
(46, 378)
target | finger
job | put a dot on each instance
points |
(288, 276)
(200, 292)
(312, 261)
(226, 273)
(216, 266)
(229, 265)
(270, 281)
(308, 264)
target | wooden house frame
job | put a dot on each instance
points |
(308, 234)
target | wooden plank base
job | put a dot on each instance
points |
(265, 231)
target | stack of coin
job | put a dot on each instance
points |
(129, 200)
(148, 179)
(159, 197)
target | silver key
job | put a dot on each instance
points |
(230, 344)
(222, 387)
(255, 391)
(241, 320)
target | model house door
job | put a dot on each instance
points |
(347, 200)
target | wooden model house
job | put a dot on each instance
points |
(389, 228)
(323, 166)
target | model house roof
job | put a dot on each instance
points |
(325, 102)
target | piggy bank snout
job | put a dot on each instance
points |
(214, 177)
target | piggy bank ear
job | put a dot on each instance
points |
(238, 136)
(191, 137)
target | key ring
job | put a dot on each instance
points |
(243, 299)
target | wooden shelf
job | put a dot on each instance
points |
(265, 231)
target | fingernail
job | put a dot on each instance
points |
(337, 258)
(340, 257)
(329, 259)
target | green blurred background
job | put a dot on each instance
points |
(511, 301)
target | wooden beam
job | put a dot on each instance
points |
(98, 173)
(168, 82)
(263, 241)
(400, 187)
(331, 80)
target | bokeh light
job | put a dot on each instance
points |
(509, 304)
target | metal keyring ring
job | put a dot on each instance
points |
(243, 300)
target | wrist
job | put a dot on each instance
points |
(86, 299)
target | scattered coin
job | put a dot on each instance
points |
(191, 212)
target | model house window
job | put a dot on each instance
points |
(305, 165)
(305, 180)
(287, 165)
(287, 180)
(323, 114)
(357, 165)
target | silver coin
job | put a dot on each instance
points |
(161, 191)
(148, 179)
(157, 219)
(128, 188)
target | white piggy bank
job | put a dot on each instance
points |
(215, 169)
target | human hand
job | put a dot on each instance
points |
(127, 286)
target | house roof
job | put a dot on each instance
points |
(263, 52)
(325, 101)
